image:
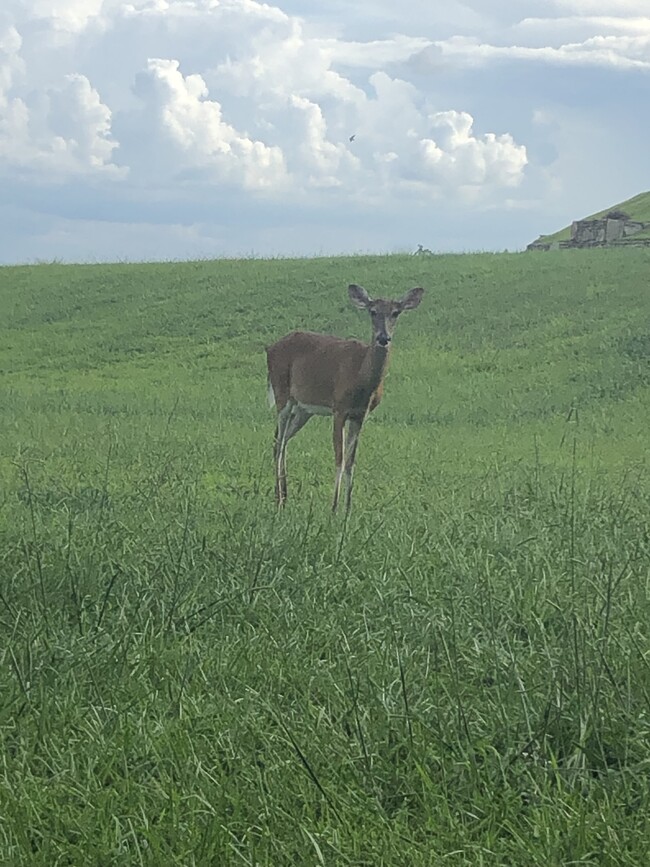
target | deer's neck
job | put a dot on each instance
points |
(374, 366)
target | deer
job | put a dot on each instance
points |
(318, 374)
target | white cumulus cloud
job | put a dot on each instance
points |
(64, 130)
(455, 157)
(233, 92)
(189, 128)
(11, 64)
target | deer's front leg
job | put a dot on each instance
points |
(354, 429)
(339, 451)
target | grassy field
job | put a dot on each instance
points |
(458, 674)
(637, 208)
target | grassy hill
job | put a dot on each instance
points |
(456, 674)
(637, 208)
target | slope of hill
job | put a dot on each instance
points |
(456, 673)
(637, 208)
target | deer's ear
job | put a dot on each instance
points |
(358, 296)
(411, 299)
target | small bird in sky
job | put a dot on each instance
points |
(352, 137)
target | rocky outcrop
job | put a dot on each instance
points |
(616, 229)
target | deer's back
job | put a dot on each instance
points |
(314, 369)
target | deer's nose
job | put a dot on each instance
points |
(383, 339)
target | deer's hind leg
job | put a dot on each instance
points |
(279, 447)
(288, 426)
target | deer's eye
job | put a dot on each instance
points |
(373, 311)
(395, 313)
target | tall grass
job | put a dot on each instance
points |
(457, 673)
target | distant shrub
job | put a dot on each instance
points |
(617, 215)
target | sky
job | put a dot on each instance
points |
(135, 130)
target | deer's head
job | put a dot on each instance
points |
(383, 313)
